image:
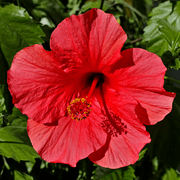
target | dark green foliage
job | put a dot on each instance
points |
(126, 173)
(150, 24)
(165, 143)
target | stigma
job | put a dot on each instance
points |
(79, 109)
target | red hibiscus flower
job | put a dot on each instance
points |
(85, 98)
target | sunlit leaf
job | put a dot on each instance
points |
(170, 34)
(171, 174)
(174, 18)
(17, 30)
(89, 4)
(142, 154)
(14, 143)
(3, 109)
(160, 35)
(157, 45)
(162, 11)
(177, 63)
(22, 176)
(2, 101)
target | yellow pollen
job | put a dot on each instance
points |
(79, 109)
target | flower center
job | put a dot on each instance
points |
(80, 108)
(91, 76)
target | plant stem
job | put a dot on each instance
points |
(102, 2)
(172, 79)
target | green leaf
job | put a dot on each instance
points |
(54, 10)
(165, 137)
(126, 173)
(167, 59)
(89, 5)
(142, 154)
(17, 30)
(174, 18)
(170, 34)
(160, 35)
(162, 11)
(7, 97)
(21, 176)
(74, 6)
(17, 118)
(171, 61)
(29, 166)
(171, 174)
(177, 63)
(3, 109)
(14, 143)
(132, 8)
(155, 163)
(141, 5)
(157, 45)
(150, 31)
(2, 101)
(94, 4)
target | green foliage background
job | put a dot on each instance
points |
(150, 24)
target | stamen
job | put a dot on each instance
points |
(80, 108)
(113, 125)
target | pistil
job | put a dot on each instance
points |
(80, 108)
(94, 83)
(111, 123)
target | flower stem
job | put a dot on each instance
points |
(172, 79)
(102, 2)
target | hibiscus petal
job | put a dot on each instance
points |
(94, 36)
(126, 134)
(122, 150)
(40, 89)
(142, 77)
(69, 140)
